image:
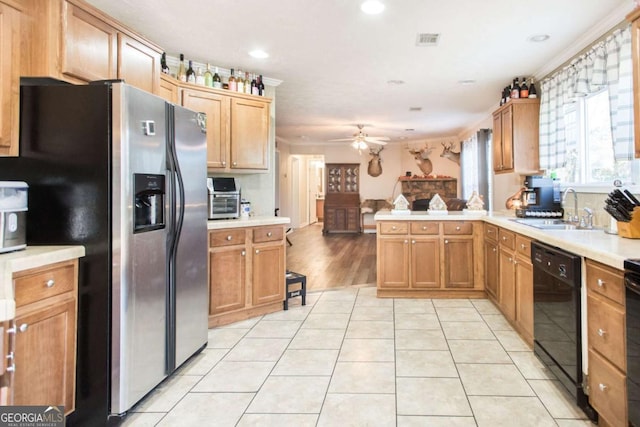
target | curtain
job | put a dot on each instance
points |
(474, 165)
(608, 65)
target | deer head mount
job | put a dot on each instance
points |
(448, 154)
(375, 167)
(421, 157)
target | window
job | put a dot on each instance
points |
(590, 159)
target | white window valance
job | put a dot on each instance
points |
(607, 64)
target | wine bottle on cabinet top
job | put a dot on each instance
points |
(232, 82)
(533, 93)
(515, 89)
(254, 86)
(260, 86)
(199, 77)
(208, 77)
(240, 82)
(247, 83)
(191, 75)
(182, 72)
(217, 81)
(163, 64)
(524, 89)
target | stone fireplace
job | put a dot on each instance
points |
(425, 188)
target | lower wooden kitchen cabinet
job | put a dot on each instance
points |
(246, 273)
(607, 343)
(45, 336)
(509, 277)
(429, 259)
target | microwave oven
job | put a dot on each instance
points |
(224, 198)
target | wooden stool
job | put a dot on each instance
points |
(292, 278)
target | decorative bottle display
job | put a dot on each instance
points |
(217, 81)
(163, 64)
(191, 75)
(515, 89)
(182, 72)
(208, 77)
(524, 89)
(232, 81)
(247, 83)
(199, 77)
(533, 93)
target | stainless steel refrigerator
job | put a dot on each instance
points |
(123, 173)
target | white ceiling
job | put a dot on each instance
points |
(335, 62)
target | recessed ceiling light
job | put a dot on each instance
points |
(395, 82)
(259, 54)
(372, 7)
(466, 82)
(538, 38)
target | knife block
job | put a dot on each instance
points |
(631, 229)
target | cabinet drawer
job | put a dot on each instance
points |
(605, 281)
(457, 227)
(606, 330)
(425, 227)
(523, 246)
(226, 237)
(267, 234)
(394, 227)
(507, 239)
(491, 232)
(35, 285)
(608, 390)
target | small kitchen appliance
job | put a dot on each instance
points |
(13, 215)
(224, 198)
(541, 198)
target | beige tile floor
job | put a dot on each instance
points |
(348, 358)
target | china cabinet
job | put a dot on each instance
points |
(342, 198)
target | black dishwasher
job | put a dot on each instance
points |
(557, 326)
(632, 308)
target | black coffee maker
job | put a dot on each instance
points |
(541, 199)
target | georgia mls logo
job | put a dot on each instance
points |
(32, 416)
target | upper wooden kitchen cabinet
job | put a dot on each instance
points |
(9, 77)
(237, 127)
(73, 41)
(45, 341)
(168, 89)
(515, 136)
(634, 18)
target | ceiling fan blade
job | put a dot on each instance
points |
(342, 139)
(373, 141)
(379, 138)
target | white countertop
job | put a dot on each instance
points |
(252, 221)
(597, 245)
(31, 257)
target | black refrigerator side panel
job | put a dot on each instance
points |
(65, 159)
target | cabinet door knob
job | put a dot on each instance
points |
(269, 234)
(601, 332)
(522, 246)
(603, 387)
(489, 231)
(393, 227)
(601, 282)
(458, 228)
(446, 242)
(11, 368)
(510, 259)
(494, 249)
(50, 283)
(23, 327)
(229, 237)
(424, 227)
(406, 241)
(515, 262)
(224, 163)
(257, 251)
(243, 253)
(504, 237)
(413, 242)
(235, 163)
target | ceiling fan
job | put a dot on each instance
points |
(360, 139)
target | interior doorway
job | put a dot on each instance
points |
(307, 189)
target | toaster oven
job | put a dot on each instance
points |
(224, 198)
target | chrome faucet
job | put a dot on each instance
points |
(571, 218)
(587, 220)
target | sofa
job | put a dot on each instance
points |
(368, 209)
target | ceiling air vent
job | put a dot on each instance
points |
(427, 39)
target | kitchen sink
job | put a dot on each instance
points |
(551, 224)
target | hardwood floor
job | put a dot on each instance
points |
(332, 260)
